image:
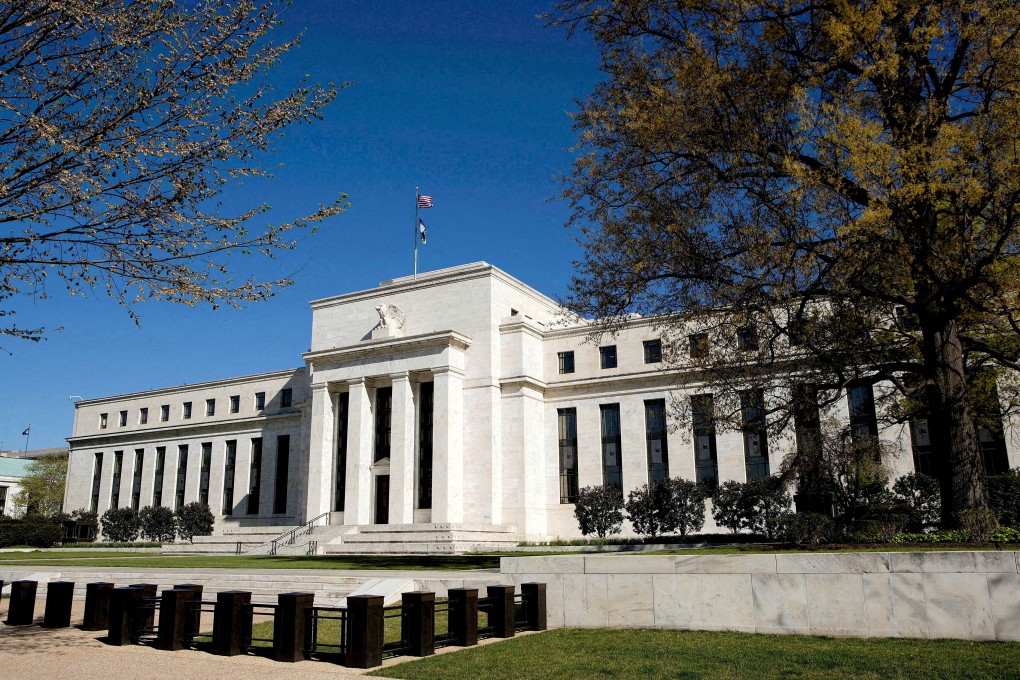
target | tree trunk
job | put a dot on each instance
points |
(951, 422)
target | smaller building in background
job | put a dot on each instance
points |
(12, 471)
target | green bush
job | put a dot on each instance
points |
(194, 519)
(681, 504)
(643, 512)
(35, 532)
(921, 494)
(727, 510)
(1006, 535)
(120, 525)
(598, 510)
(1004, 497)
(158, 523)
(765, 502)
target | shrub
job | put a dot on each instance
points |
(765, 502)
(805, 527)
(921, 494)
(727, 510)
(598, 510)
(194, 519)
(642, 511)
(980, 524)
(681, 505)
(158, 523)
(120, 525)
(1004, 497)
(1006, 535)
(36, 532)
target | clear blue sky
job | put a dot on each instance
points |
(468, 99)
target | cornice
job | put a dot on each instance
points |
(179, 431)
(178, 389)
(368, 348)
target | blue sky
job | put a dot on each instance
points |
(469, 100)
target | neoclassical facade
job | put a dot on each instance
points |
(462, 396)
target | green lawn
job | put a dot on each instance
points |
(350, 562)
(643, 653)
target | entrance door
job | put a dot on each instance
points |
(382, 499)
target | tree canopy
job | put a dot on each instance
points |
(829, 190)
(121, 122)
(42, 489)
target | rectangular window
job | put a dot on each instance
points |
(122, 420)
(118, 468)
(210, 407)
(3, 500)
(182, 475)
(97, 476)
(612, 464)
(426, 399)
(655, 436)
(235, 403)
(747, 338)
(186, 410)
(920, 442)
(863, 422)
(203, 477)
(566, 360)
(383, 409)
(260, 401)
(230, 464)
(653, 351)
(807, 421)
(567, 427)
(698, 343)
(607, 356)
(102, 421)
(157, 483)
(136, 482)
(282, 470)
(340, 488)
(706, 464)
(756, 448)
(143, 416)
(164, 413)
(286, 397)
(255, 476)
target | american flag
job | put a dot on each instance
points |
(424, 201)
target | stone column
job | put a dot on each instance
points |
(402, 451)
(358, 505)
(320, 451)
(448, 446)
(148, 476)
(217, 471)
(105, 483)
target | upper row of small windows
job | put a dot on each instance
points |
(286, 400)
(608, 358)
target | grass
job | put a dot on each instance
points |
(348, 562)
(758, 549)
(641, 653)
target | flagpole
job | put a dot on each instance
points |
(416, 209)
(29, 430)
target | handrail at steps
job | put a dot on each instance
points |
(288, 537)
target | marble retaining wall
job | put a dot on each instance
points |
(968, 595)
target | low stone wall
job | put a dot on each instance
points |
(967, 595)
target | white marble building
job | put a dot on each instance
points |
(459, 397)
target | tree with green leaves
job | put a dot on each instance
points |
(120, 525)
(120, 125)
(158, 523)
(598, 510)
(194, 519)
(42, 489)
(828, 191)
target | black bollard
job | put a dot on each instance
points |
(59, 596)
(97, 606)
(231, 622)
(502, 617)
(289, 626)
(534, 605)
(148, 615)
(420, 622)
(174, 618)
(193, 624)
(124, 615)
(365, 622)
(21, 610)
(464, 616)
